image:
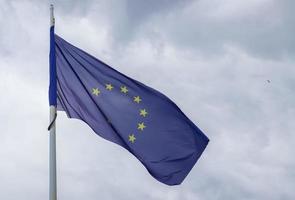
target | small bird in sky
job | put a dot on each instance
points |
(268, 81)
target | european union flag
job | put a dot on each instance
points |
(122, 110)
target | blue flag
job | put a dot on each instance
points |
(122, 110)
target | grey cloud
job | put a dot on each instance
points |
(263, 29)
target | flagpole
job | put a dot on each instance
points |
(52, 128)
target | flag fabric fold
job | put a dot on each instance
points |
(124, 111)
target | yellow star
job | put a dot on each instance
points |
(109, 87)
(132, 138)
(124, 89)
(141, 126)
(137, 99)
(143, 112)
(95, 91)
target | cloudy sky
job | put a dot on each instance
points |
(212, 57)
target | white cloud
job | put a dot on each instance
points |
(249, 121)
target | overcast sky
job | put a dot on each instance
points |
(213, 58)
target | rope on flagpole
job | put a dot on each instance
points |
(52, 122)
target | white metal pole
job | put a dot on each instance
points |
(52, 157)
(52, 141)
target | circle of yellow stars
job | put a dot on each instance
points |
(137, 99)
